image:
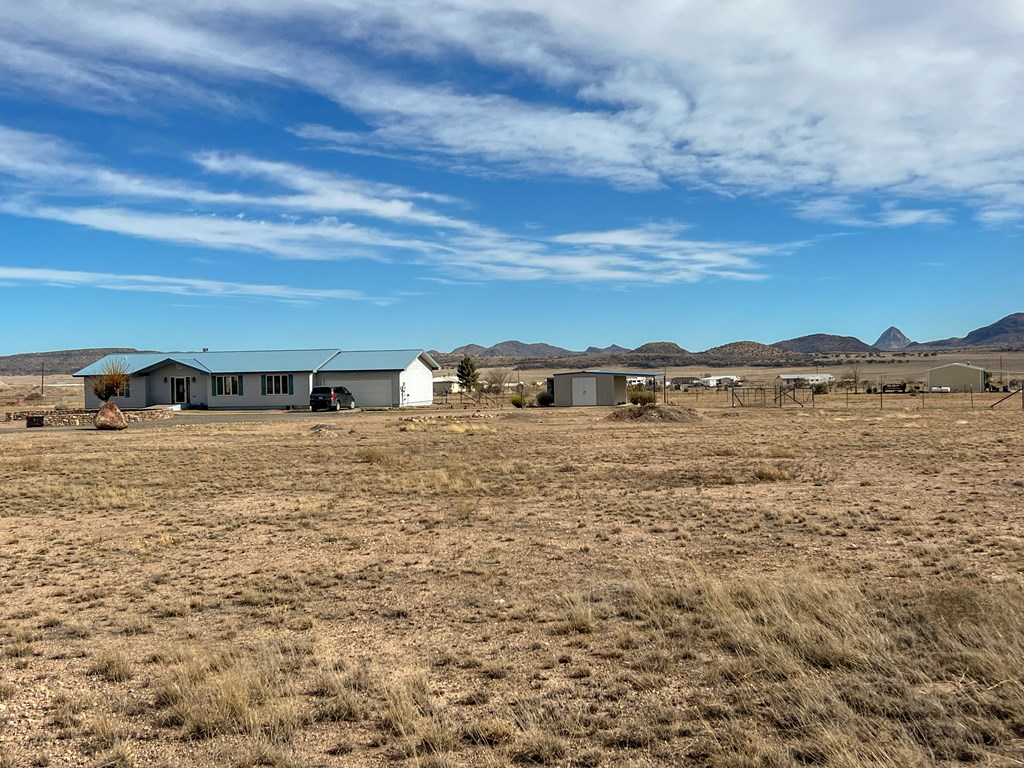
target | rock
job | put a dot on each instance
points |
(109, 416)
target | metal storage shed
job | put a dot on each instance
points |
(959, 377)
(589, 388)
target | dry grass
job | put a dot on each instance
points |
(753, 588)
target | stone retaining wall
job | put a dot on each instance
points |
(82, 418)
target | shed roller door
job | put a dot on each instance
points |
(584, 390)
(368, 393)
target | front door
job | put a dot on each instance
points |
(180, 389)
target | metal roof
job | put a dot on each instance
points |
(612, 373)
(263, 361)
(957, 365)
(136, 362)
(377, 360)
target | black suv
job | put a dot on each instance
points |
(330, 398)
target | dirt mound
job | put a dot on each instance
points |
(653, 412)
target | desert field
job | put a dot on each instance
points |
(60, 390)
(838, 586)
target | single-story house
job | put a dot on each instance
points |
(959, 377)
(447, 385)
(582, 388)
(806, 379)
(267, 378)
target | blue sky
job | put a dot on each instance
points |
(237, 174)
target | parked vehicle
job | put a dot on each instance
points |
(331, 399)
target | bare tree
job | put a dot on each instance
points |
(495, 379)
(853, 372)
(112, 379)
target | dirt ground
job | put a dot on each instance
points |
(745, 587)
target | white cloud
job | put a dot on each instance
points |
(910, 100)
(893, 216)
(42, 164)
(323, 239)
(181, 286)
(285, 224)
(847, 212)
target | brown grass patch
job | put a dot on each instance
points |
(779, 587)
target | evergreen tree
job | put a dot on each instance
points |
(468, 375)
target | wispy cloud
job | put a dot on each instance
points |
(180, 286)
(848, 212)
(47, 165)
(284, 221)
(868, 98)
(320, 240)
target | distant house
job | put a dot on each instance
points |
(267, 378)
(806, 379)
(719, 381)
(959, 377)
(446, 385)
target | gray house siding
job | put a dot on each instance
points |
(388, 378)
(372, 389)
(136, 394)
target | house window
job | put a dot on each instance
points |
(227, 385)
(125, 391)
(277, 384)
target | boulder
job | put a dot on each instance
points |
(109, 416)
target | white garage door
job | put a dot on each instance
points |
(584, 390)
(369, 393)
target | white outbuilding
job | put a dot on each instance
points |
(806, 379)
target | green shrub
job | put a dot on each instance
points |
(518, 399)
(641, 396)
(544, 399)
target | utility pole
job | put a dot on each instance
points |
(42, 380)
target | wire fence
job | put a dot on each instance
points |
(806, 397)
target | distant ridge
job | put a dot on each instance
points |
(750, 353)
(824, 343)
(892, 340)
(513, 349)
(59, 361)
(1007, 333)
(614, 349)
(660, 348)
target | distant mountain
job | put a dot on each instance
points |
(893, 340)
(513, 349)
(59, 361)
(824, 343)
(1007, 333)
(749, 353)
(660, 348)
(614, 349)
